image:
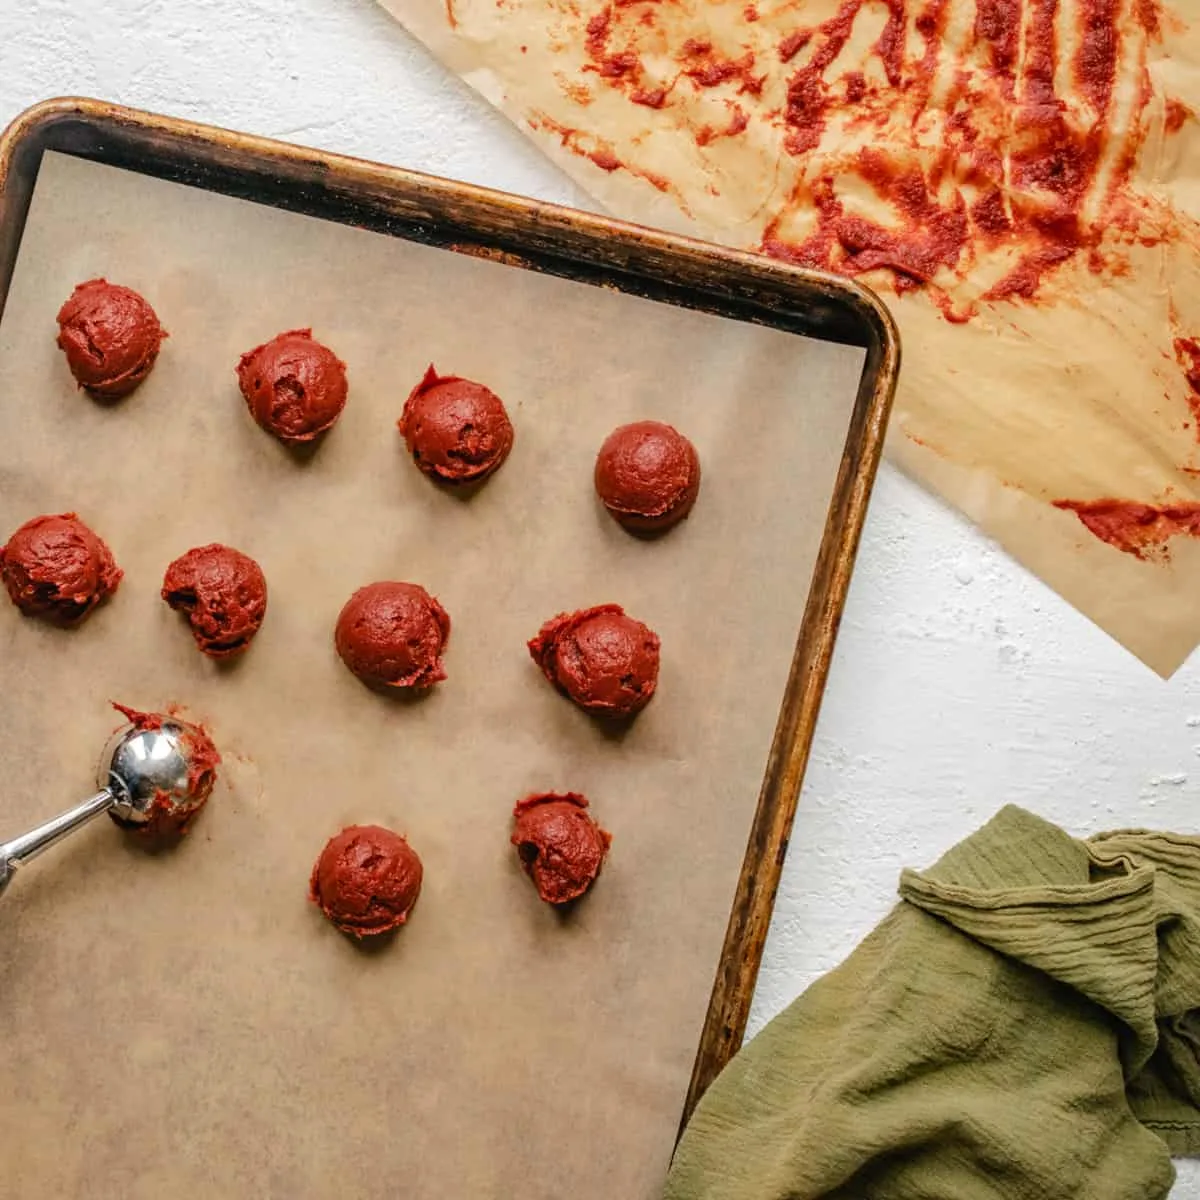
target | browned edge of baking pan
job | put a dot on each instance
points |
(574, 245)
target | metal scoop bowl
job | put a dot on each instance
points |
(148, 770)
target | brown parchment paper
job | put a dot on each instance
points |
(187, 1024)
(1080, 395)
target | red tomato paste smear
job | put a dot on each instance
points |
(808, 95)
(615, 59)
(605, 62)
(707, 68)
(1050, 172)
(1000, 164)
(593, 148)
(930, 235)
(1138, 529)
(738, 120)
(1187, 354)
(1176, 115)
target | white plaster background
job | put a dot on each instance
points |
(960, 682)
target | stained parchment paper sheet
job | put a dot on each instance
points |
(1080, 395)
(187, 1024)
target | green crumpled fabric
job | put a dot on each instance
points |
(1023, 1024)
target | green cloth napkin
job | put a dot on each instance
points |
(1023, 1024)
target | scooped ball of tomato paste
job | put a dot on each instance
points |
(561, 847)
(366, 880)
(294, 387)
(457, 430)
(648, 476)
(223, 594)
(111, 337)
(606, 661)
(56, 568)
(392, 635)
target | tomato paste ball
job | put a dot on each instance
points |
(366, 880)
(56, 568)
(647, 476)
(223, 594)
(560, 845)
(294, 387)
(457, 430)
(111, 337)
(601, 658)
(392, 635)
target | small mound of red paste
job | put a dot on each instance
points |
(111, 337)
(223, 593)
(457, 430)
(56, 568)
(601, 658)
(647, 476)
(366, 880)
(392, 635)
(294, 386)
(560, 845)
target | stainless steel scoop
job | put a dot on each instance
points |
(139, 767)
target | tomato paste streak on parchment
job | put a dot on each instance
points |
(1187, 354)
(981, 168)
(1138, 529)
(589, 146)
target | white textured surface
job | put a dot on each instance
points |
(960, 683)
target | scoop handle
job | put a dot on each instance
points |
(29, 845)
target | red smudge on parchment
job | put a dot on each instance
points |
(600, 152)
(1142, 530)
(793, 44)
(1012, 174)
(1176, 114)
(738, 120)
(1187, 354)
(708, 68)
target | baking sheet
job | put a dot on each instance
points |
(186, 1023)
(1079, 395)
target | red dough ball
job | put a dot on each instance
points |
(111, 337)
(392, 635)
(603, 659)
(648, 476)
(58, 569)
(561, 847)
(223, 593)
(366, 880)
(456, 430)
(294, 387)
